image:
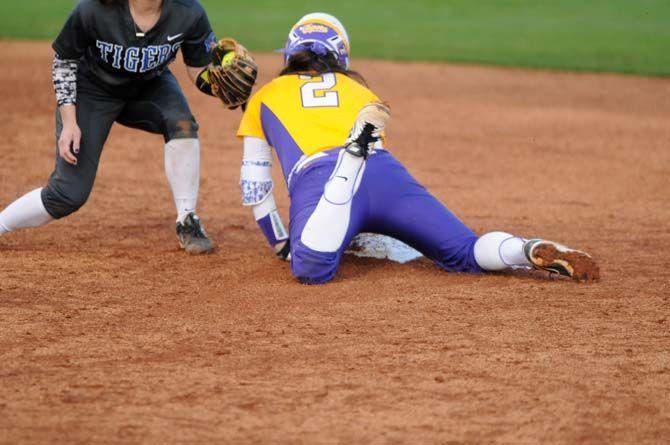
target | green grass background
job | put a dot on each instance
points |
(629, 36)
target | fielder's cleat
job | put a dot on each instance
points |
(192, 236)
(368, 128)
(556, 258)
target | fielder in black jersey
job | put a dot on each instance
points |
(111, 65)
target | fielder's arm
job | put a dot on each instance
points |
(64, 76)
(256, 186)
(200, 77)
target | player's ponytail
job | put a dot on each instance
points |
(307, 62)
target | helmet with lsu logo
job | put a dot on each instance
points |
(321, 34)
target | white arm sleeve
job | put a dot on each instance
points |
(256, 185)
(256, 174)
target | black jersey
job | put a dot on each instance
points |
(104, 38)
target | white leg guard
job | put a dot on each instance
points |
(327, 227)
(182, 168)
(499, 251)
(27, 211)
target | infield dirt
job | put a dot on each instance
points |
(109, 333)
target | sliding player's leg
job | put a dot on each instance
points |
(404, 209)
(326, 214)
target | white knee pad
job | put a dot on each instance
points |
(497, 251)
(345, 180)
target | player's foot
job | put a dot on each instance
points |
(367, 129)
(556, 258)
(192, 236)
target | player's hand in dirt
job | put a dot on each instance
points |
(70, 137)
(283, 250)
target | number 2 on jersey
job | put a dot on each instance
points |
(317, 93)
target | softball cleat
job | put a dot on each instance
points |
(556, 258)
(368, 128)
(192, 236)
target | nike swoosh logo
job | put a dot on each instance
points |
(171, 38)
(343, 177)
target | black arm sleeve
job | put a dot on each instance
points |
(198, 43)
(73, 39)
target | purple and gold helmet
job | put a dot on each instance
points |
(321, 34)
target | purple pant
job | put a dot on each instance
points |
(389, 201)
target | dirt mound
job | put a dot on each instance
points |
(108, 332)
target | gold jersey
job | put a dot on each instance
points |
(301, 115)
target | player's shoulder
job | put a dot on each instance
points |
(89, 7)
(352, 83)
(99, 10)
(89, 4)
(282, 88)
(281, 82)
(92, 11)
(277, 85)
(188, 6)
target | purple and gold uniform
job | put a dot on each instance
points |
(307, 120)
(327, 131)
(301, 116)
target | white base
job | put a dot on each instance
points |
(373, 245)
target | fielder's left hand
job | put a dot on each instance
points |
(232, 73)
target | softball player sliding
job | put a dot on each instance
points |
(326, 128)
(111, 65)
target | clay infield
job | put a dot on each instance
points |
(109, 333)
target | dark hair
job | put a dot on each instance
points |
(307, 62)
(110, 2)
